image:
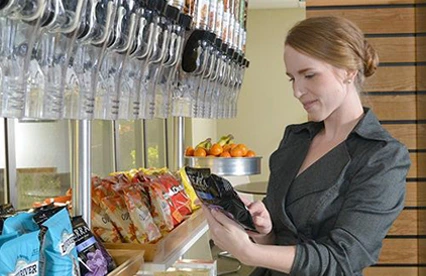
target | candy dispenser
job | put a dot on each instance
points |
(194, 63)
(109, 98)
(52, 54)
(166, 16)
(211, 80)
(137, 53)
(19, 22)
(88, 54)
(165, 82)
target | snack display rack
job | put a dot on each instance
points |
(158, 256)
(83, 79)
(164, 253)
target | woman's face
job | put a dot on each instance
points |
(319, 86)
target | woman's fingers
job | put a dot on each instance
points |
(224, 219)
(246, 201)
(257, 207)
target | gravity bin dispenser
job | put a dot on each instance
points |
(81, 60)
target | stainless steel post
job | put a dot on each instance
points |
(139, 138)
(179, 142)
(145, 144)
(11, 192)
(166, 144)
(115, 146)
(81, 169)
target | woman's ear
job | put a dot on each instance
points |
(350, 76)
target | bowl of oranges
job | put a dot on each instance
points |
(224, 157)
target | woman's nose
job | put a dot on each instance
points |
(297, 90)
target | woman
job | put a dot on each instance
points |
(337, 182)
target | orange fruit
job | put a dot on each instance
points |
(243, 148)
(200, 152)
(233, 145)
(189, 151)
(216, 149)
(250, 153)
(236, 152)
(227, 148)
(225, 154)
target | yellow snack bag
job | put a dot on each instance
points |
(195, 203)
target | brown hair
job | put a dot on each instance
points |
(337, 41)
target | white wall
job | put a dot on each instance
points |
(2, 148)
(42, 145)
(266, 104)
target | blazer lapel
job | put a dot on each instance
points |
(321, 175)
(284, 165)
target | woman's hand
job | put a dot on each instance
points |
(228, 235)
(261, 219)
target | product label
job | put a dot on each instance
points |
(25, 269)
(67, 244)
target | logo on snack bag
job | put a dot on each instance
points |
(22, 268)
(67, 243)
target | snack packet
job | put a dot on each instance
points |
(20, 255)
(179, 202)
(216, 192)
(6, 209)
(21, 223)
(146, 229)
(58, 254)
(92, 255)
(159, 206)
(102, 226)
(189, 189)
(117, 211)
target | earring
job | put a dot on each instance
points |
(348, 81)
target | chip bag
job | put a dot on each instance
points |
(217, 193)
(20, 255)
(58, 254)
(92, 255)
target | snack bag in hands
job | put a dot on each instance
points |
(216, 192)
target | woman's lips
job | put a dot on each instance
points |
(308, 105)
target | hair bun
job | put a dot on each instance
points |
(371, 59)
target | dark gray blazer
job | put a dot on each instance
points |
(340, 208)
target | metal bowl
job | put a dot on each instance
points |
(234, 166)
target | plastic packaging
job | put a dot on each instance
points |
(217, 193)
(92, 255)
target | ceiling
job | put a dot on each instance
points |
(275, 4)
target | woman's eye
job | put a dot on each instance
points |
(291, 79)
(309, 76)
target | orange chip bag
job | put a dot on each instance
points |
(175, 194)
(119, 215)
(105, 229)
(159, 206)
(146, 229)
